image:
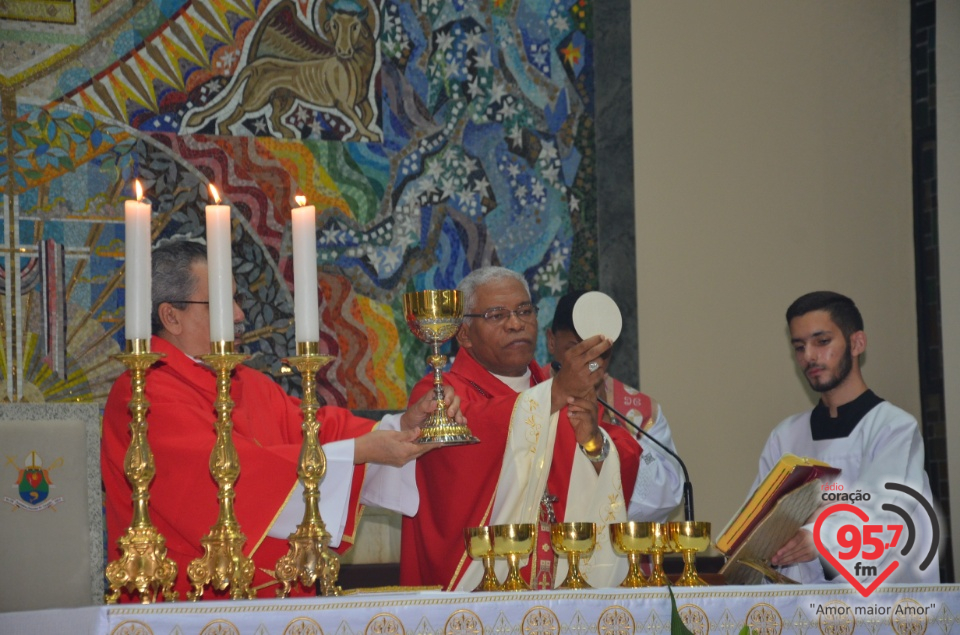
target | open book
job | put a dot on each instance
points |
(773, 513)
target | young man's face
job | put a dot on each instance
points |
(821, 350)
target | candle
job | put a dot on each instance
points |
(137, 267)
(219, 271)
(305, 303)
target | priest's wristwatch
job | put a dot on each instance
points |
(590, 450)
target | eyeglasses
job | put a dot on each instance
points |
(499, 315)
(237, 298)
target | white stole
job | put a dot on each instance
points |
(523, 479)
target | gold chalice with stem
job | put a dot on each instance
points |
(575, 540)
(661, 544)
(479, 543)
(631, 539)
(690, 538)
(514, 541)
(434, 317)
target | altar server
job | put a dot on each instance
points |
(872, 441)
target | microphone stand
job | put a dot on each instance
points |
(687, 485)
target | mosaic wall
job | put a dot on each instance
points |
(433, 137)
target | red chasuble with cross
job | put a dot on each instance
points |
(459, 485)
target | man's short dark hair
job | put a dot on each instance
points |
(172, 276)
(842, 310)
(563, 316)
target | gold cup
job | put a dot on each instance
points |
(434, 317)
(479, 543)
(512, 542)
(574, 540)
(660, 545)
(631, 539)
(689, 538)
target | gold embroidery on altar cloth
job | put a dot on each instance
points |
(695, 619)
(908, 617)
(763, 619)
(131, 627)
(303, 626)
(384, 624)
(540, 621)
(616, 620)
(463, 622)
(220, 627)
(836, 618)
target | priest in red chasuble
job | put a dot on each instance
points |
(544, 451)
(368, 462)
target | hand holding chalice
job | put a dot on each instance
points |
(434, 318)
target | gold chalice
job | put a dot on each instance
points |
(513, 541)
(574, 540)
(631, 539)
(689, 538)
(479, 543)
(660, 545)
(434, 317)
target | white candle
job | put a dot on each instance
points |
(219, 270)
(305, 311)
(137, 267)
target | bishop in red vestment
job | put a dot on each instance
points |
(459, 485)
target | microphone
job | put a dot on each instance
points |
(687, 485)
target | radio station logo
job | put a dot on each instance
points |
(33, 484)
(866, 553)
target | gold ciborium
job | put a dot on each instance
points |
(434, 318)
(689, 538)
(479, 543)
(512, 542)
(574, 540)
(631, 539)
(661, 544)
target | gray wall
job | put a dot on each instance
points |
(772, 158)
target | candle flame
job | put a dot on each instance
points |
(214, 194)
(139, 188)
(300, 199)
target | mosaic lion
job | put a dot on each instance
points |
(287, 62)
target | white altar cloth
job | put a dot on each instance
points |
(768, 609)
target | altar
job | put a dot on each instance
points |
(766, 610)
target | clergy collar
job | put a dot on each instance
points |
(519, 384)
(823, 427)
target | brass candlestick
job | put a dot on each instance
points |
(223, 564)
(310, 557)
(144, 567)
